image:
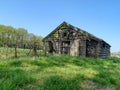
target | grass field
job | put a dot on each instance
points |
(59, 72)
(6, 53)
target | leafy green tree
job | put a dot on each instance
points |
(22, 35)
(19, 37)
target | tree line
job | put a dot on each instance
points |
(18, 38)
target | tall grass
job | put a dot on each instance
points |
(59, 72)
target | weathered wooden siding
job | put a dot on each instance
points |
(82, 48)
(91, 48)
(104, 50)
(74, 48)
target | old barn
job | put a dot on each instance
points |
(67, 39)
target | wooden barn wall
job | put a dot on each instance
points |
(91, 48)
(104, 51)
(82, 48)
(51, 46)
(74, 48)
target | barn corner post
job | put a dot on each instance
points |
(97, 49)
(59, 46)
(83, 46)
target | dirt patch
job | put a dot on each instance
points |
(90, 85)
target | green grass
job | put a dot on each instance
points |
(59, 72)
(6, 53)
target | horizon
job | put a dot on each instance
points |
(98, 17)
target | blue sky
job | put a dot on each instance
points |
(98, 17)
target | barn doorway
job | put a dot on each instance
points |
(65, 48)
(51, 49)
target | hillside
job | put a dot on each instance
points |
(59, 72)
(115, 54)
